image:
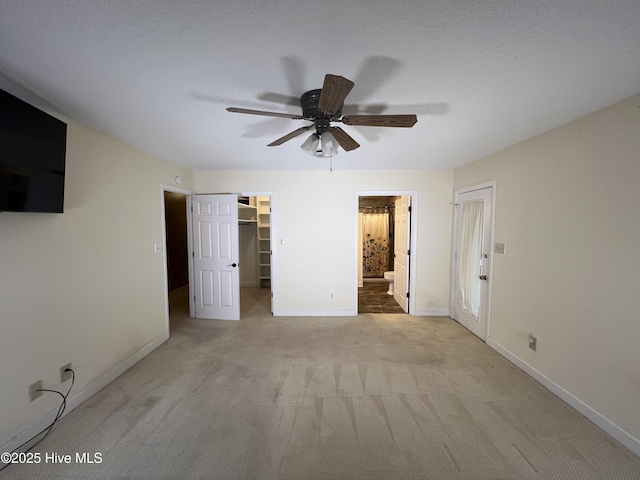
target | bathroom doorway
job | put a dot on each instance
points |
(383, 251)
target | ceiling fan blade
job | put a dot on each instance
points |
(291, 135)
(266, 114)
(406, 121)
(334, 90)
(344, 139)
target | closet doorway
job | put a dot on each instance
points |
(231, 266)
(384, 239)
(255, 223)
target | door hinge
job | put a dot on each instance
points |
(192, 208)
(409, 208)
(193, 254)
(409, 252)
(407, 294)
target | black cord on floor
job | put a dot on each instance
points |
(61, 410)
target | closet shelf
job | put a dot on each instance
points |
(264, 240)
(247, 214)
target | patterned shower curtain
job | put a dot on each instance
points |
(375, 244)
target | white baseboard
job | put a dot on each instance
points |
(77, 399)
(436, 312)
(600, 420)
(350, 313)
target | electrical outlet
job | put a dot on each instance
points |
(533, 342)
(34, 390)
(331, 295)
(64, 375)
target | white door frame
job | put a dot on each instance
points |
(187, 193)
(454, 242)
(414, 240)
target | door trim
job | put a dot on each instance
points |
(413, 217)
(454, 239)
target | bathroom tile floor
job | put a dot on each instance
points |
(373, 298)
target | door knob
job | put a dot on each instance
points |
(233, 265)
(483, 277)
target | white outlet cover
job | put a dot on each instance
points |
(157, 248)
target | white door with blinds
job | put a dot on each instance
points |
(472, 260)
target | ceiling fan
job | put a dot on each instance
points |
(323, 106)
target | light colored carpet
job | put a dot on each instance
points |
(369, 397)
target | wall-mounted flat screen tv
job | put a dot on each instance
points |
(33, 146)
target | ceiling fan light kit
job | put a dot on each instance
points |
(323, 106)
(329, 145)
(324, 145)
(310, 145)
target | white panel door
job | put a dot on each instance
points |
(472, 251)
(216, 256)
(402, 239)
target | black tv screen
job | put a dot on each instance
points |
(33, 146)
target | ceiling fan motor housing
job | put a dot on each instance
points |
(309, 103)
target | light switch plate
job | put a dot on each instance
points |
(499, 248)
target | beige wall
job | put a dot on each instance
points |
(315, 213)
(568, 209)
(84, 286)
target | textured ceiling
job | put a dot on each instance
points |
(480, 75)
